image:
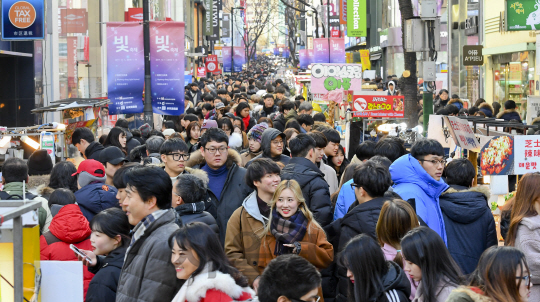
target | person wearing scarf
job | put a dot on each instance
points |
(242, 111)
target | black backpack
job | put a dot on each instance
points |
(6, 196)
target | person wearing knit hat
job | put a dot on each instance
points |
(207, 124)
(168, 132)
(93, 195)
(39, 167)
(254, 137)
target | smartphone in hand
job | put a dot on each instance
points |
(80, 253)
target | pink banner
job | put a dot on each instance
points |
(337, 50)
(321, 52)
(329, 77)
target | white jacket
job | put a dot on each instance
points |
(330, 176)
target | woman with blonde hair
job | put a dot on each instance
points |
(292, 229)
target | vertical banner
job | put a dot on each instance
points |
(321, 52)
(337, 50)
(303, 58)
(72, 67)
(364, 58)
(356, 20)
(208, 27)
(239, 58)
(343, 15)
(212, 65)
(226, 53)
(286, 53)
(226, 26)
(215, 20)
(310, 56)
(23, 20)
(167, 66)
(276, 51)
(125, 67)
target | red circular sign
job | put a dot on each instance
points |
(22, 14)
(360, 104)
(211, 66)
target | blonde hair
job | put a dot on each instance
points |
(297, 192)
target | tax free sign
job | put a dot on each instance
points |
(356, 18)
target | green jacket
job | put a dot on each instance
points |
(44, 214)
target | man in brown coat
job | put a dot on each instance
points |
(247, 224)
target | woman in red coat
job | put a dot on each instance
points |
(68, 226)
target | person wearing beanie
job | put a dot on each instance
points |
(168, 132)
(242, 110)
(272, 144)
(207, 124)
(254, 137)
(39, 169)
(510, 112)
(93, 195)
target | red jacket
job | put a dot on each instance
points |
(69, 226)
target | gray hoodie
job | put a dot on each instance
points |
(266, 143)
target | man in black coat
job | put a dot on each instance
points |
(84, 140)
(470, 227)
(303, 169)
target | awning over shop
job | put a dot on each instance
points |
(375, 56)
(71, 103)
(509, 48)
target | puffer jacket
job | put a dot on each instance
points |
(194, 212)
(44, 191)
(68, 227)
(487, 109)
(93, 150)
(265, 113)
(245, 230)
(456, 102)
(314, 187)
(266, 143)
(147, 273)
(233, 193)
(509, 114)
(37, 181)
(468, 294)
(96, 197)
(527, 240)
(107, 272)
(395, 283)
(470, 227)
(345, 199)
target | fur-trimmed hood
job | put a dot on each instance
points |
(465, 205)
(35, 181)
(512, 112)
(197, 172)
(535, 121)
(486, 105)
(44, 190)
(465, 293)
(456, 102)
(197, 160)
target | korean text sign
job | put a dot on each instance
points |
(337, 50)
(125, 67)
(329, 77)
(226, 53)
(23, 20)
(378, 106)
(527, 154)
(356, 18)
(522, 15)
(167, 66)
(462, 133)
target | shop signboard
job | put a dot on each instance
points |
(364, 58)
(471, 26)
(526, 154)
(522, 15)
(356, 18)
(23, 20)
(215, 20)
(125, 67)
(321, 52)
(377, 106)
(226, 26)
(462, 133)
(337, 50)
(134, 14)
(343, 14)
(328, 77)
(208, 29)
(73, 21)
(472, 55)
(167, 65)
(533, 108)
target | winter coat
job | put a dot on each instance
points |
(248, 156)
(528, 241)
(330, 177)
(194, 97)
(470, 227)
(439, 104)
(487, 109)
(390, 253)
(535, 121)
(411, 181)
(509, 114)
(192, 147)
(93, 150)
(266, 143)
(261, 113)
(345, 199)
(281, 120)
(107, 272)
(44, 213)
(233, 193)
(394, 89)
(442, 292)
(37, 181)
(194, 212)
(212, 287)
(44, 191)
(467, 294)
(245, 230)
(314, 187)
(456, 102)
(96, 197)
(147, 273)
(69, 226)
(131, 143)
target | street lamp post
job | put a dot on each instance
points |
(232, 38)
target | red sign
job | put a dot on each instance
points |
(86, 48)
(134, 14)
(201, 72)
(73, 20)
(387, 106)
(212, 63)
(335, 33)
(343, 15)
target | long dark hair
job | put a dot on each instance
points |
(112, 222)
(200, 238)
(61, 176)
(365, 259)
(425, 248)
(527, 195)
(496, 273)
(112, 138)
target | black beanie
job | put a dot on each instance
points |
(39, 163)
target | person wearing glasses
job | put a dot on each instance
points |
(502, 275)
(371, 181)
(226, 185)
(272, 145)
(174, 154)
(418, 179)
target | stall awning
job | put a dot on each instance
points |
(375, 56)
(71, 103)
(356, 47)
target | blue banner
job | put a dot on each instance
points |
(239, 58)
(226, 53)
(187, 79)
(23, 20)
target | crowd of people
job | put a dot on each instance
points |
(249, 195)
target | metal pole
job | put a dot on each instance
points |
(18, 258)
(428, 107)
(148, 112)
(232, 42)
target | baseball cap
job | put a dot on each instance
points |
(92, 167)
(207, 124)
(220, 105)
(112, 155)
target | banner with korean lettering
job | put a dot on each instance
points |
(337, 50)
(286, 53)
(226, 54)
(303, 58)
(462, 133)
(125, 67)
(379, 106)
(497, 155)
(72, 67)
(527, 154)
(239, 58)
(321, 53)
(167, 66)
(328, 77)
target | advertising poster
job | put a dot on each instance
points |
(73, 21)
(522, 15)
(337, 50)
(167, 66)
(286, 53)
(497, 155)
(23, 20)
(239, 58)
(379, 106)
(226, 54)
(321, 52)
(527, 154)
(356, 18)
(364, 58)
(310, 56)
(343, 14)
(276, 51)
(462, 133)
(329, 77)
(212, 64)
(303, 58)
(533, 108)
(125, 67)
(91, 124)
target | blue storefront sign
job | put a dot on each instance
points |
(23, 20)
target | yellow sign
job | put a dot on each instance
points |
(364, 57)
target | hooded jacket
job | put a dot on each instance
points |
(130, 141)
(527, 240)
(390, 254)
(245, 230)
(314, 187)
(470, 227)
(346, 198)
(442, 291)
(282, 119)
(411, 181)
(509, 114)
(37, 181)
(265, 112)
(396, 285)
(535, 121)
(69, 226)
(234, 191)
(266, 143)
(103, 286)
(456, 102)
(194, 212)
(330, 177)
(93, 150)
(96, 197)
(487, 109)
(393, 90)
(439, 104)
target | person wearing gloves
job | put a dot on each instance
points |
(254, 138)
(272, 142)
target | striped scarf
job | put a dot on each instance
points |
(287, 231)
(141, 227)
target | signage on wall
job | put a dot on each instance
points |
(472, 55)
(23, 20)
(356, 18)
(471, 26)
(522, 15)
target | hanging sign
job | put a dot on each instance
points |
(212, 64)
(337, 50)
(356, 18)
(329, 77)
(201, 72)
(379, 106)
(23, 20)
(321, 52)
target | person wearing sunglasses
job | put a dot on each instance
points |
(418, 176)
(174, 154)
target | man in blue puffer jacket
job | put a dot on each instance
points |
(417, 176)
(94, 195)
